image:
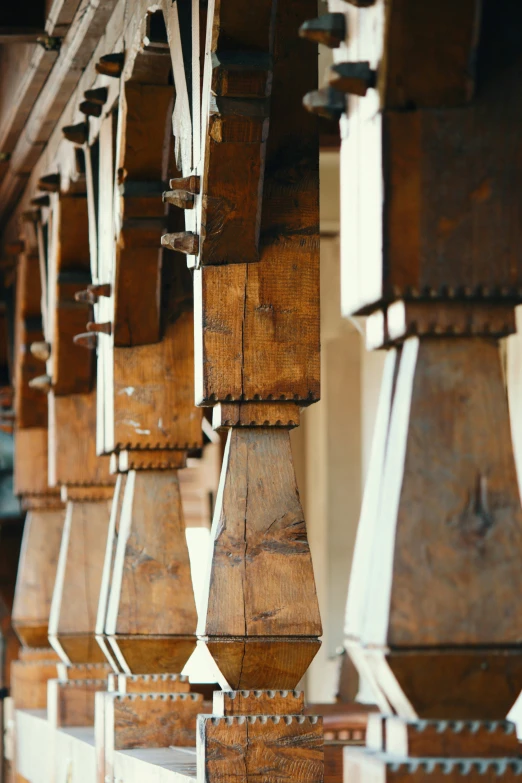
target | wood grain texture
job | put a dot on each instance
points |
(238, 748)
(136, 286)
(258, 529)
(149, 683)
(71, 367)
(447, 568)
(31, 462)
(272, 414)
(257, 324)
(430, 55)
(441, 738)
(78, 581)
(36, 575)
(144, 653)
(258, 703)
(72, 446)
(470, 684)
(154, 720)
(436, 240)
(153, 393)
(151, 590)
(257, 662)
(29, 682)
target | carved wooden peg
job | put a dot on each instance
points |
(179, 198)
(111, 65)
(90, 108)
(86, 296)
(98, 95)
(41, 350)
(87, 340)
(328, 29)
(42, 383)
(326, 102)
(50, 183)
(77, 134)
(353, 78)
(191, 184)
(183, 242)
(100, 289)
(41, 201)
(103, 328)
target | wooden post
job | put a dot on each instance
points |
(428, 182)
(254, 182)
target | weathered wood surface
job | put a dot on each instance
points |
(258, 530)
(36, 575)
(240, 747)
(72, 446)
(228, 703)
(29, 682)
(71, 703)
(70, 366)
(78, 581)
(151, 600)
(257, 324)
(433, 241)
(154, 720)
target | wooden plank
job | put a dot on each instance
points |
(151, 720)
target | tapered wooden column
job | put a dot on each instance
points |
(45, 511)
(250, 193)
(431, 254)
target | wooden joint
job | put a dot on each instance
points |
(101, 328)
(326, 102)
(249, 702)
(352, 78)
(237, 74)
(41, 383)
(285, 415)
(179, 198)
(98, 95)
(90, 109)
(50, 183)
(40, 350)
(148, 459)
(111, 65)
(450, 318)
(87, 340)
(77, 134)
(41, 201)
(191, 184)
(182, 242)
(328, 29)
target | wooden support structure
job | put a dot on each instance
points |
(427, 170)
